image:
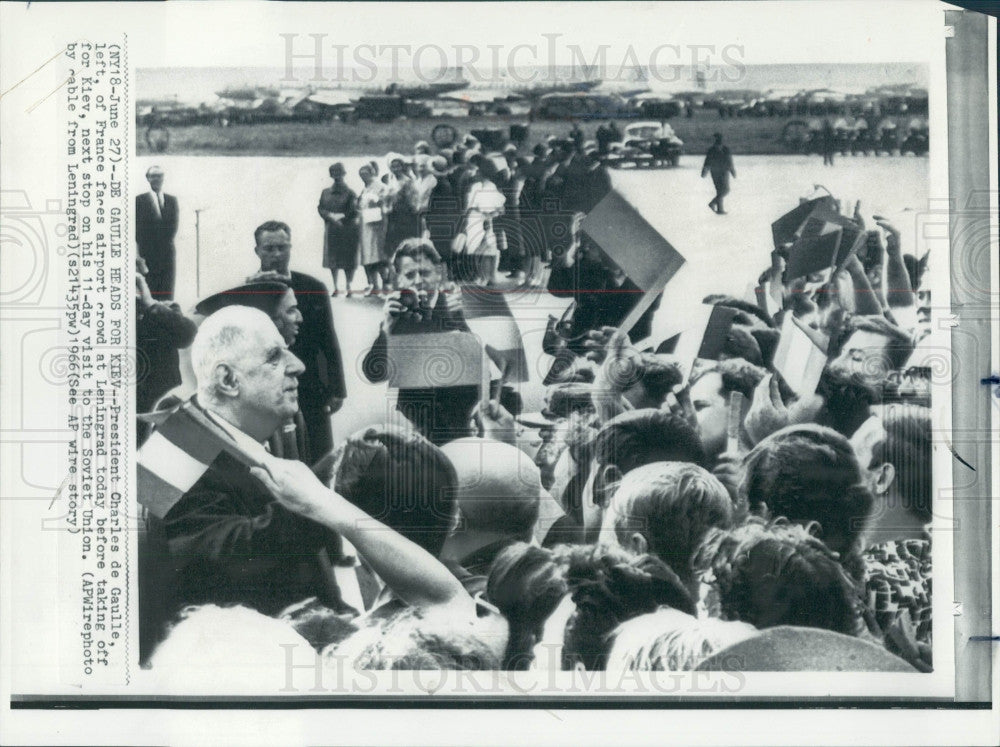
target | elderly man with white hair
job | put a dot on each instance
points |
(264, 536)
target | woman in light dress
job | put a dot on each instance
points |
(374, 257)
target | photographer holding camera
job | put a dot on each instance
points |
(424, 302)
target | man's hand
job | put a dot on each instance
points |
(496, 423)
(858, 218)
(334, 405)
(892, 244)
(452, 295)
(621, 363)
(146, 299)
(729, 471)
(768, 412)
(294, 486)
(392, 309)
(596, 343)
(265, 276)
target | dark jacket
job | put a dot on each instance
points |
(160, 331)
(317, 346)
(154, 234)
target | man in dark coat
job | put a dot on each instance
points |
(155, 228)
(423, 303)
(443, 216)
(719, 162)
(226, 540)
(160, 331)
(321, 386)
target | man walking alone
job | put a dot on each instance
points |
(719, 162)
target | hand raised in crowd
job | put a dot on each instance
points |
(892, 242)
(679, 403)
(597, 341)
(495, 422)
(768, 412)
(729, 471)
(858, 218)
(294, 486)
(620, 364)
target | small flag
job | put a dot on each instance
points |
(786, 229)
(177, 454)
(814, 252)
(798, 359)
(488, 316)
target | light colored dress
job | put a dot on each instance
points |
(485, 202)
(372, 241)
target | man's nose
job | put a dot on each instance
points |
(295, 366)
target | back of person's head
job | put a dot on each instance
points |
(739, 375)
(499, 487)
(415, 248)
(907, 447)
(660, 374)
(770, 574)
(608, 587)
(214, 648)
(264, 295)
(398, 477)
(665, 509)
(809, 474)
(640, 437)
(672, 641)
(526, 584)
(415, 638)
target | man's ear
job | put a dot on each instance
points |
(610, 476)
(227, 383)
(885, 475)
(256, 250)
(637, 544)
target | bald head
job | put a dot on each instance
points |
(499, 486)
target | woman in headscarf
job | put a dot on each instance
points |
(338, 209)
(371, 204)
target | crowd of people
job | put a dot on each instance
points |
(644, 519)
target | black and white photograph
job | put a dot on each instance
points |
(523, 355)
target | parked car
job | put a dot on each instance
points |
(646, 145)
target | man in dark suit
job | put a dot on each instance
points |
(155, 228)
(423, 303)
(321, 386)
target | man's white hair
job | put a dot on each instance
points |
(222, 338)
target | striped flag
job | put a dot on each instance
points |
(489, 317)
(177, 454)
